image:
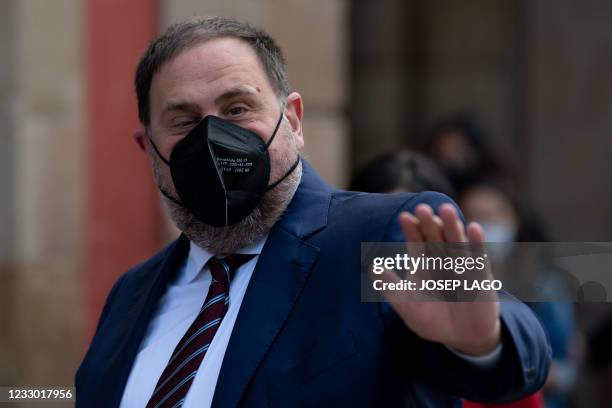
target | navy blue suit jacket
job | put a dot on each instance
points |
(302, 336)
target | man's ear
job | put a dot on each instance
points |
(140, 137)
(294, 111)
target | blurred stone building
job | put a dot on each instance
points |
(78, 204)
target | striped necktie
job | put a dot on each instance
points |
(174, 383)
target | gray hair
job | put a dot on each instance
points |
(181, 36)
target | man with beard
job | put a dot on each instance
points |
(257, 302)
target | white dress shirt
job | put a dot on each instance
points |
(176, 310)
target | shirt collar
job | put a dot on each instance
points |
(198, 257)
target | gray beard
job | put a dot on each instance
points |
(229, 239)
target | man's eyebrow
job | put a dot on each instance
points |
(239, 90)
(190, 107)
(181, 106)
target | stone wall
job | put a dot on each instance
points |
(42, 145)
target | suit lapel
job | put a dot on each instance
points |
(282, 270)
(137, 319)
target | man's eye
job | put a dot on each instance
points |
(236, 111)
(185, 123)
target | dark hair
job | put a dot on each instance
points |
(469, 128)
(181, 36)
(486, 161)
(530, 226)
(403, 170)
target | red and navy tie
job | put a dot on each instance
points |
(174, 383)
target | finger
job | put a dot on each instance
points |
(476, 238)
(454, 234)
(453, 227)
(412, 233)
(475, 234)
(410, 227)
(431, 224)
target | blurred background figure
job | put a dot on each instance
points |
(504, 222)
(459, 146)
(402, 171)
(483, 186)
(600, 359)
(502, 217)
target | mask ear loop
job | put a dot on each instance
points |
(271, 186)
(295, 164)
(280, 119)
(166, 162)
(169, 197)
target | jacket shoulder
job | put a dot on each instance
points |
(375, 211)
(390, 201)
(133, 278)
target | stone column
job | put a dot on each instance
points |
(7, 186)
(46, 138)
(568, 97)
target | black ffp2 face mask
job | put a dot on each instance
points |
(221, 171)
